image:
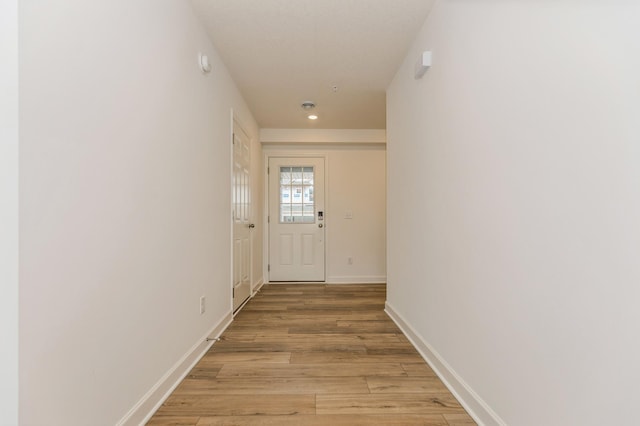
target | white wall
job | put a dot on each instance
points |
(518, 155)
(124, 209)
(9, 213)
(356, 183)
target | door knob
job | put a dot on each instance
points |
(251, 226)
(320, 225)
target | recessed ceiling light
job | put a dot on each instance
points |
(313, 117)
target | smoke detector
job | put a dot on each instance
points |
(308, 105)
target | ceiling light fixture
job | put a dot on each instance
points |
(313, 117)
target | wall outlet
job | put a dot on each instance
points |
(349, 260)
(202, 304)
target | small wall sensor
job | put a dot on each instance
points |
(205, 65)
(423, 64)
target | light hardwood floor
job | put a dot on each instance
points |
(312, 354)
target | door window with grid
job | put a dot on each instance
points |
(296, 195)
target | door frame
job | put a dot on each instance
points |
(289, 153)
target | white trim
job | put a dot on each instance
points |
(254, 290)
(322, 136)
(153, 399)
(257, 287)
(471, 401)
(231, 207)
(321, 282)
(265, 216)
(242, 305)
(357, 279)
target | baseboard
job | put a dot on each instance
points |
(256, 288)
(475, 406)
(357, 279)
(152, 400)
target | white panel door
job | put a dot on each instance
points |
(241, 198)
(296, 219)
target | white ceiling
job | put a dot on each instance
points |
(284, 52)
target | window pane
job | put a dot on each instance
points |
(285, 196)
(285, 213)
(308, 210)
(285, 175)
(307, 176)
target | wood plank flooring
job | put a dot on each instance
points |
(312, 354)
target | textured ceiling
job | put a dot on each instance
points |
(284, 52)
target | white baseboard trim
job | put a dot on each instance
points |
(153, 399)
(471, 401)
(257, 287)
(357, 279)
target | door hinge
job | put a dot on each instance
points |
(233, 139)
(268, 268)
(268, 170)
(268, 219)
(233, 292)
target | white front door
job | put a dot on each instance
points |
(241, 199)
(296, 219)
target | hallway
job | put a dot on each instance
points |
(495, 192)
(312, 354)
